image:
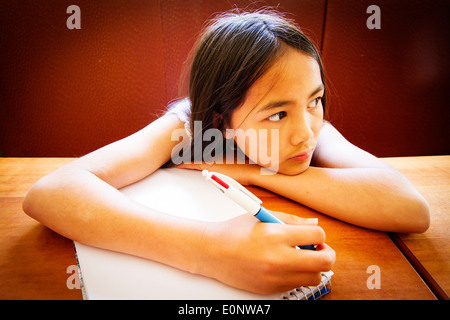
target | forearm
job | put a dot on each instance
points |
(82, 207)
(374, 198)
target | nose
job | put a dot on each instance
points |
(301, 131)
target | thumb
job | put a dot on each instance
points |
(293, 219)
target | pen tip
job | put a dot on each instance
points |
(204, 172)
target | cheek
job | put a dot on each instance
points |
(317, 126)
(318, 121)
(261, 146)
(247, 140)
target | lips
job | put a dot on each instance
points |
(305, 155)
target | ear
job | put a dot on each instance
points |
(217, 120)
(220, 123)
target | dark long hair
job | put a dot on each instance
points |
(234, 50)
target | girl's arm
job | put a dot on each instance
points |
(350, 184)
(81, 201)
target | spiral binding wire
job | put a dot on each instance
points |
(311, 292)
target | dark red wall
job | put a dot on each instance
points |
(67, 92)
(390, 86)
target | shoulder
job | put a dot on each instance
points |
(181, 108)
(134, 157)
(333, 150)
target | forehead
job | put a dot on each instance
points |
(295, 73)
(294, 77)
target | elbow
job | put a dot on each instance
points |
(412, 211)
(30, 204)
(416, 216)
(422, 214)
(37, 201)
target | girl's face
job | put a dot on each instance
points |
(286, 98)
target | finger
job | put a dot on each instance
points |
(293, 219)
(322, 259)
(291, 279)
(191, 166)
(299, 235)
(298, 279)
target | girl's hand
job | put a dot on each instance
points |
(242, 173)
(262, 257)
(293, 219)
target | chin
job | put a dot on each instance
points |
(292, 169)
(289, 166)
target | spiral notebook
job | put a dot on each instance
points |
(112, 275)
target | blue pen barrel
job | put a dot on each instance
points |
(266, 216)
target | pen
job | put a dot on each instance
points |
(244, 198)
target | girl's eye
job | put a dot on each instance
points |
(277, 116)
(315, 102)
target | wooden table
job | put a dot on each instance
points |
(429, 252)
(34, 259)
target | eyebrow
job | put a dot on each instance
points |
(281, 103)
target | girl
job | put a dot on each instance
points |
(250, 71)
